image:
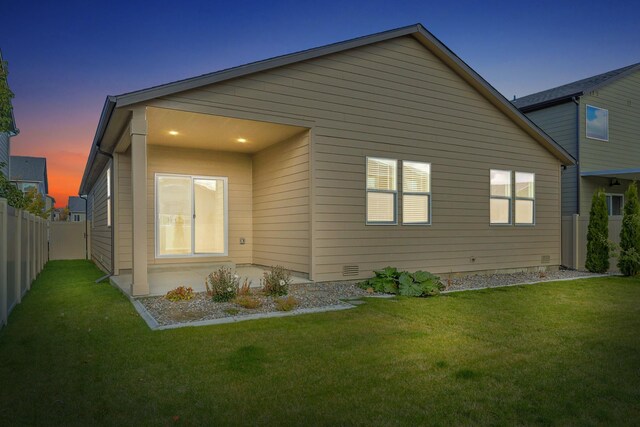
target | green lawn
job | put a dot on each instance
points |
(559, 353)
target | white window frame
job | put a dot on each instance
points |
(509, 198)
(532, 199)
(586, 123)
(193, 254)
(368, 190)
(109, 219)
(610, 205)
(417, 193)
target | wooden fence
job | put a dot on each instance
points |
(23, 254)
(574, 240)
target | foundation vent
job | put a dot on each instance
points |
(545, 259)
(350, 270)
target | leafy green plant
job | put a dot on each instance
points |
(222, 285)
(247, 301)
(629, 259)
(391, 281)
(286, 304)
(181, 293)
(6, 110)
(276, 281)
(598, 246)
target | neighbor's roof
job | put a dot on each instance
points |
(76, 204)
(418, 31)
(563, 93)
(31, 169)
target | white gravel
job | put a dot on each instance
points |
(478, 281)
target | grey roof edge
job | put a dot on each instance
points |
(630, 69)
(131, 98)
(610, 172)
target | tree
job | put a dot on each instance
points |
(10, 192)
(6, 115)
(598, 246)
(629, 259)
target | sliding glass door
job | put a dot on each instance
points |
(191, 216)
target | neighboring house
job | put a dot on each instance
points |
(597, 120)
(5, 142)
(332, 162)
(31, 172)
(77, 208)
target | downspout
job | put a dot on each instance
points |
(576, 100)
(86, 226)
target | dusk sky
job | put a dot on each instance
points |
(66, 56)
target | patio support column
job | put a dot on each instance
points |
(140, 285)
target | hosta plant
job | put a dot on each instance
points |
(391, 281)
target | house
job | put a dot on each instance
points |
(597, 121)
(31, 172)
(5, 141)
(332, 162)
(77, 209)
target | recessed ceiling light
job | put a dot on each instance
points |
(173, 132)
(241, 140)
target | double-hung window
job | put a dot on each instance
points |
(382, 191)
(416, 193)
(525, 198)
(500, 201)
(615, 204)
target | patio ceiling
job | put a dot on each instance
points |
(194, 130)
(632, 174)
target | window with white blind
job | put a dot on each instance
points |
(525, 198)
(416, 193)
(500, 197)
(382, 191)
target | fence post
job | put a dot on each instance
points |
(18, 251)
(32, 253)
(4, 278)
(576, 241)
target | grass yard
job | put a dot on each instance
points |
(566, 353)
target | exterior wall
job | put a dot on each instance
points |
(100, 233)
(622, 151)
(560, 122)
(235, 166)
(124, 215)
(71, 217)
(589, 184)
(281, 204)
(396, 99)
(4, 153)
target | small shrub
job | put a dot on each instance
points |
(598, 246)
(222, 285)
(286, 304)
(232, 311)
(245, 288)
(391, 281)
(275, 282)
(181, 293)
(247, 301)
(629, 259)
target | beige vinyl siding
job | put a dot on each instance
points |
(235, 166)
(100, 233)
(560, 122)
(124, 215)
(281, 204)
(4, 153)
(395, 99)
(622, 151)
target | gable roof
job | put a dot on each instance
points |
(563, 93)
(418, 31)
(31, 169)
(76, 204)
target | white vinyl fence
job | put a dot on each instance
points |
(574, 240)
(23, 254)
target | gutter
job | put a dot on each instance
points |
(550, 103)
(86, 225)
(576, 100)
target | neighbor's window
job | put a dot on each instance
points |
(76, 218)
(416, 192)
(382, 192)
(597, 123)
(615, 203)
(525, 198)
(109, 197)
(500, 202)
